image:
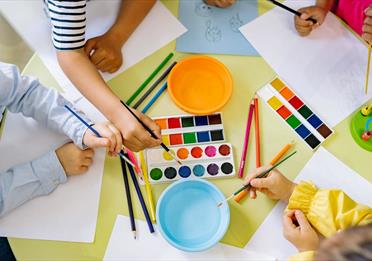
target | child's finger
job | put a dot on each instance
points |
(301, 219)
(87, 162)
(89, 153)
(287, 220)
(252, 194)
(261, 183)
(253, 174)
(368, 11)
(97, 56)
(119, 140)
(89, 46)
(302, 22)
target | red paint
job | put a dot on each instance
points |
(224, 150)
(196, 152)
(296, 102)
(284, 112)
(175, 139)
(174, 123)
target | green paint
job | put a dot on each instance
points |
(187, 122)
(293, 121)
(189, 137)
(156, 174)
(305, 111)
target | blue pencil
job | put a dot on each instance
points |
(140, 197)
(156, 96)
(96, 132)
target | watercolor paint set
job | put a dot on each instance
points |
(213, 160)
(189, 129)
(295, 112)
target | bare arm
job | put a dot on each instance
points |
(326, 4)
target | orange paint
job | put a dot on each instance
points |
(175, 139)
(162, 123)
(287, 93)
(182, 153)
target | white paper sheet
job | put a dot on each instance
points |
(70, 212)
(327, 69)
(28, 18)
(148, 246)
(326, 171)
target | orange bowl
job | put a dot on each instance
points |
(200, 85)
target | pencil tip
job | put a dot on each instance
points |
(219, 204)
(134, 234)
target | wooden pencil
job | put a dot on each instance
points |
(257, 132)
(150, 199)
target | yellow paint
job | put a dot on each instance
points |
(277, 84)
(165, 139)
(274, 103)
(150, 200)
(166, 155)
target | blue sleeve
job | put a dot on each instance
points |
(23, 94)
(27, 181)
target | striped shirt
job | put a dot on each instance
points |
(68, 19)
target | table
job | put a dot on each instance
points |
(249, 74)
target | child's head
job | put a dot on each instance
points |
(353, 244)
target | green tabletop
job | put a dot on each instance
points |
(249, 74)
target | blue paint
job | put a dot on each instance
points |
(184, 172)
(314, 121)
(203, 136)
(201, 120)
(188, 216)
(198, 170)
(302, 131)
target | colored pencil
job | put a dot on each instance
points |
(152, 134)
(95, 132)
(156, 83)
(150, 199)
(156, 96)
(246, 140)
(149, 79)
(133, 158)
(368, 68)
(257, 132)
(292, 11)
(262, 175)
(140, 197)
(129, 198)
(274, 160)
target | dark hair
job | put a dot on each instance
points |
(353, 244)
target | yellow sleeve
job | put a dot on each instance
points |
(303, 256)
(328, 210)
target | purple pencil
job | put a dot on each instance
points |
(246, 140)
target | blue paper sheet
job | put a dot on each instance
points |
(215, 30)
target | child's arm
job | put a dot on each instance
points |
(328, 210)
(106, 48)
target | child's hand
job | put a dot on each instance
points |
(106, 56)
(111, 138)
(367, 27)
(74, 160)
(298, 231)
(135, 137)
(305, 27)
(275, 185)
(220, 3)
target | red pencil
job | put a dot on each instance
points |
(257, 132)
(246, 140)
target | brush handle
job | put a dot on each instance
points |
(292, 11)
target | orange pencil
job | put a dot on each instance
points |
(257, 132)
(276, 158)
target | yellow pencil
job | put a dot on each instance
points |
(368, 66)
(148, 187)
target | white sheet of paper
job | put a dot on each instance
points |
(148, 246)
(327, 69)
(157, 29)
(326, 171)
(70, 212)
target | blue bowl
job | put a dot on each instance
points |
(188, 216)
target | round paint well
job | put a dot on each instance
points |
(188, 217)
(198, 170)
(184, 171)
(213, 169)
(166, 155)
(156, 174)
(227, 168)
(170, 173)
(196, 152)
(182, 153)
(224, 150)
(210, 151)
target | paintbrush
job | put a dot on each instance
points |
(171, 153)
(262, 175)
(292, 11)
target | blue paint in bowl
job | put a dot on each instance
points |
(188, 216)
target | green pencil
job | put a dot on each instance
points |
(262, 175)
(149, 79)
